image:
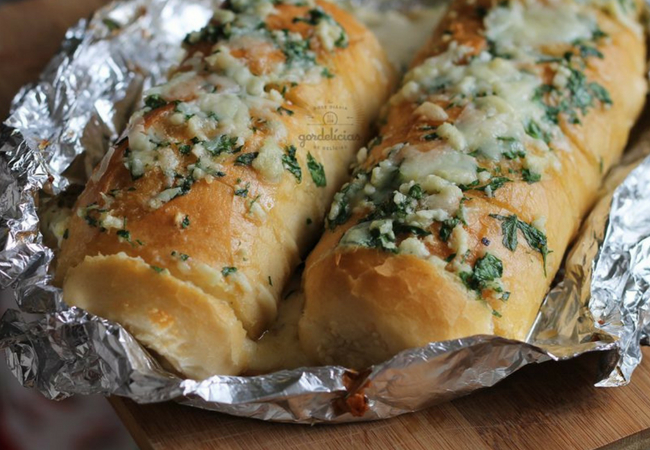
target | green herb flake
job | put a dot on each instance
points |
(535, 131)
(317, 171)
(246, 159)
(111, 24)
(181, 256)
(290, 163)
(530, 177)
(222, 144)
(416, 192)
(297, 52)
(242, 191)
(314, 17)
(447, 228)
(155, 101)
(185, 223)
(124, 234)
(326, 73)
(228, 270)
(491, 187)
(342, 41)
(515, 148)
(486, 270)
(282, 110)
(535, 238)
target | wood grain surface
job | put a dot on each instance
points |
(549, 406)
(30, 33)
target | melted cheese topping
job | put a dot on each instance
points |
(217, 97)
(225, 104)
(484, 119)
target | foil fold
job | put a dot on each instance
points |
(59, 129)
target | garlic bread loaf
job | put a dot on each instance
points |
(191, 226)
(493, 149)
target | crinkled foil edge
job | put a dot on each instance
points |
(79, 106)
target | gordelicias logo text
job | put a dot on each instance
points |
(329, 129)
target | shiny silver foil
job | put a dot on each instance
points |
(60, 127)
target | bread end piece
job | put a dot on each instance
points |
(197, 334)
(371, 326)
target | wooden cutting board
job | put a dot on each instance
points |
(551, 406)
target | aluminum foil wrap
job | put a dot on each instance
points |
(60, 127)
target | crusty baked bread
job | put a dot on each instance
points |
(491, 153)
(190, 228)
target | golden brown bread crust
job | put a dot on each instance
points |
(363, 305)
(233, 239)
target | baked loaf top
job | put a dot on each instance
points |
(190, 227)
(492, 151)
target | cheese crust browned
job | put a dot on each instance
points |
(492, 152)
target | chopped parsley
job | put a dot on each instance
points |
(578, 96)
(181, 256)
(530, 177)
(185, 223)
(282, 109)
(290, 162)
(317, 15)
(487, 270)
(124, 234)
(326, 73)
(298, 52)
(111, 24)
(515, 148)
(535, 131)
(402, 228)
(314, 16)
(316, 170)
(155, 101)
(489, 188)
(380, 235)
(211, 33)
(447, 227)
(228, 270)
(222, 144)
(416, 192)
(246, 159)
(157, 269)
(242, 192)
(534, 237)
